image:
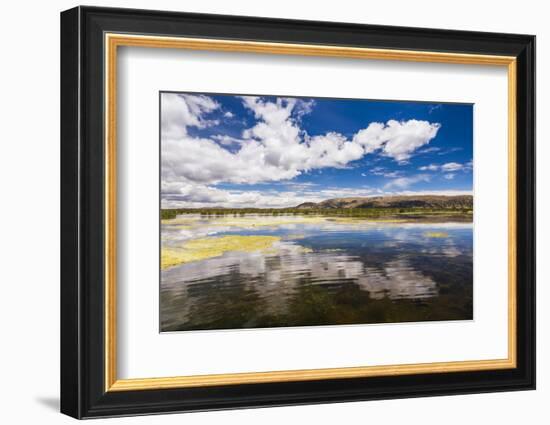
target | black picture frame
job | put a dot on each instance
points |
(83, 392)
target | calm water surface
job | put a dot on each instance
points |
(320, 271)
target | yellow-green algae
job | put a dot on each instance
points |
(436, 235)
(201, 249)
(294, 236)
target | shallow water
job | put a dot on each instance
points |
(319, 271)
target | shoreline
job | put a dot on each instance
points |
(369, 215)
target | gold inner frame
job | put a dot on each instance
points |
(113, 41)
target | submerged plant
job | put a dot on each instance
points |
(436, 235)
(200, 249)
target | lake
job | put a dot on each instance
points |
(255, 271)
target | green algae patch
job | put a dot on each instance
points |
(182, 227)
(436, 235)
(201, 249)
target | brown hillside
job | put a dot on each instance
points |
(422, 201)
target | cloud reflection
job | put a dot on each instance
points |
(380, 261)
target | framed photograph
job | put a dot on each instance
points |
(261, 212)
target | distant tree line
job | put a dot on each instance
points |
(337, 212)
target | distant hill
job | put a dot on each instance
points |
(421, 201)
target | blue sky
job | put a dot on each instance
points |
(268, 151)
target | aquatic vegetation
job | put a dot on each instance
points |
(200, 249)
(436, 235)
(250, 271)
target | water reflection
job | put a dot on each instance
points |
(320, 272)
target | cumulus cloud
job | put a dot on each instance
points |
(180, 111)
(396, 139)
(226, 140)
(405, 137)
(371, 138)
(275, 148)
(331, 150)
(304, 107)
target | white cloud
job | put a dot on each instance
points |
(405, 137)
(331, 150)
(272, 113)
(431, 167)
(449, 150)
(180, 111)
(339, 192)
(452, 166)
(396, 139)
(448, 167)
(429, 149)
(304, 107)
(228, 114)
(434, 192)
(449, 176)
(275, 148)
(191, 195)
(176, 195)
(204, 161)
(405, 182)
(371, 138)
(300, 186)
(226, 140)
(381, 171)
